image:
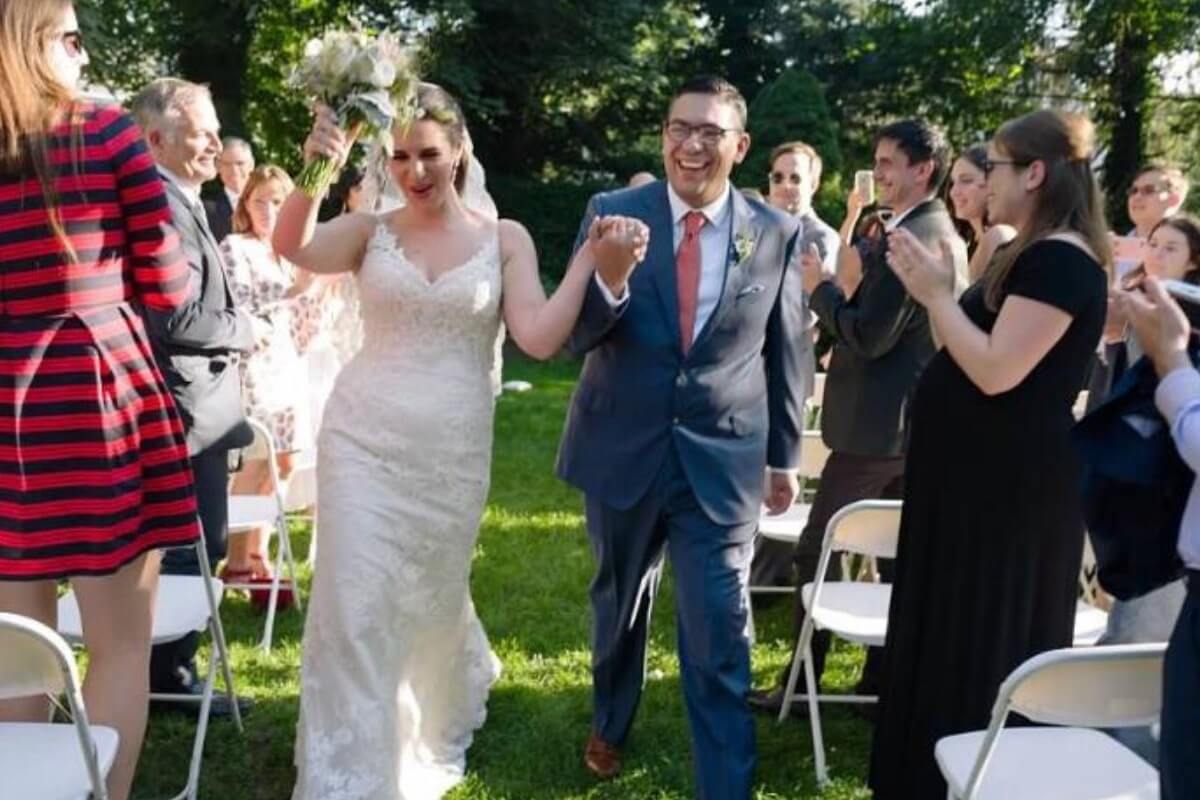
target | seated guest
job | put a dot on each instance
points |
(882, 342)
(1163, 330)
(794, 177)
(273, 293)
(967, 195)
(991, 536)
(233, 168)
(94, 470)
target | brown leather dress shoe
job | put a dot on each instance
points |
(601, 758)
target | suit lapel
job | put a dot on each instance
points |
(208, 242)
(661, 257)
(743, 241)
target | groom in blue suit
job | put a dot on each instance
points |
(686, 419)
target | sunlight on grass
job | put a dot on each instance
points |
(530, 582)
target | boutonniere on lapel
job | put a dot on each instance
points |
(743, 247)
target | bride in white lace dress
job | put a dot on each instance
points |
(397, 667)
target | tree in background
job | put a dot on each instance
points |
(793, 107)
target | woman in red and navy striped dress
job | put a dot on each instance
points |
(94, 474)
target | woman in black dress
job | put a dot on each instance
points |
(992, 537)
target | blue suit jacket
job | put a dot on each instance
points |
(732, 405)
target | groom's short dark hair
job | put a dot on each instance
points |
(714, 85)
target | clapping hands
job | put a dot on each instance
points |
(618, 245)
(926, 275)
(812, 269)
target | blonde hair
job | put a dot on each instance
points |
(1068, 199)
(33, 100)
(267, 173)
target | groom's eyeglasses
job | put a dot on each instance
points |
(709, 135)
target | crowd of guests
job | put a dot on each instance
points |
(960, 403)
(148, 322)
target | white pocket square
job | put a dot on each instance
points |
(753, 288)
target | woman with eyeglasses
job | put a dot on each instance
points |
(94, 474)
(966, 195)
(992, 535)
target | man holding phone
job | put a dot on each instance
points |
(882, 341)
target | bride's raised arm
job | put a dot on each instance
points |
(334, 246)
(540, 326)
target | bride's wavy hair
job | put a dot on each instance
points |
(435, 103)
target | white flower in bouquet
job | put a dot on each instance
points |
(367, 80)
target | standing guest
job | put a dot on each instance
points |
(794, 177)
(882, 341)
(992, 533)
(1155, 194)
(1172, 252)
(273, 292)
(196, 342)
(94, 476)
(234, 166)
(967, 194)
(1163, 329)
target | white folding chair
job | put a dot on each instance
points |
(248, 512)
(46, 759)
(787, 526)
(816, 401)
(854, 610)
(183, 604)
(1081, 688)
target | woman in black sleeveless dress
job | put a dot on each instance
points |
(992, 536)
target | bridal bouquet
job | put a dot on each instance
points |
(367, 80)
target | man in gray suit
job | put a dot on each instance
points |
(795, 175)
(195, 343)
(694, 384)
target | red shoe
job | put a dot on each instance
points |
(261, 598)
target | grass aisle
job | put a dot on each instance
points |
(531, 573)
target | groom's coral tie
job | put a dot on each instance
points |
(687, 275)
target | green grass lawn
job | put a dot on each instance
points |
(531, 573)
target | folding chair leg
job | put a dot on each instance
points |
(191, 790)
(789, 690)
(814, 719)
(273, 600)
(311, 558)
(285, 542)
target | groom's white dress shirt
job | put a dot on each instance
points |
(714, 253)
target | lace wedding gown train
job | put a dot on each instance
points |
(397, 668)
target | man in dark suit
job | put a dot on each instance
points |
(234, 166)
(194, 344)
(882, 342)
(694, 383)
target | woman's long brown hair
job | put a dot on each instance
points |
(32, 99)
(1069, 198)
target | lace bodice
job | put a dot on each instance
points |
(449, 326)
